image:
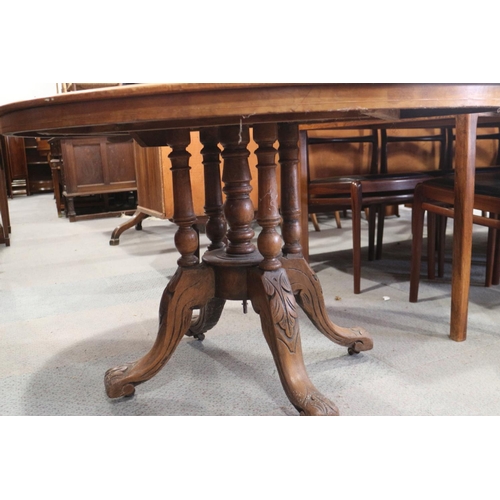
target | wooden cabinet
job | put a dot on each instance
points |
(28, 169)
(99, 170)
(37, 162)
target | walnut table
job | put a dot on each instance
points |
(270, 272)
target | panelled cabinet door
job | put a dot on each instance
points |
(97, 165)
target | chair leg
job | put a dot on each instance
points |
(356, 235)
(314, 221)
(372, 214)
(496, 262)
(491, 252)
(337, 219)
(490, 257)
(417, 225)
(380, 231)
(441, 244)
(431, 245)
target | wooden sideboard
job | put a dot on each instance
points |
(99, 169)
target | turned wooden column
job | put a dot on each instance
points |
(186, 238)
(216, 226)
(238, 207)
(288, 136)
(269, 241)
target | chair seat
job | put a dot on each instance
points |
(377, 177)
(486, 183)
(380, 184)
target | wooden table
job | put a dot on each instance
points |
(271, 274)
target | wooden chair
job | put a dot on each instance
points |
(370, 191)
(343, 144)
(437, 197)
(487, 155)
(358, 193)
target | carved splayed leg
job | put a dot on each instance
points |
(190, 288)
(309, 295)
(270, 290)
(272, 298)
(304, 281)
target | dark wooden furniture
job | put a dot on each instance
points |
(55, 162)
(487, 155)
(374, 192)
(5, 228)
(365, 185)
(437, 197)
(342, 152)
(270, 272)
(96, 167)
(17, 168)
(28, 169)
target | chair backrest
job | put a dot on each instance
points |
(487, 145)
(333, 152)
(493, 153)
(413, 150)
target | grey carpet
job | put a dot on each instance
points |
(72, 306)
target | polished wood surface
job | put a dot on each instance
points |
(272, 275)
(150, 108)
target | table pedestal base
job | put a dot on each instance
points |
(273, 296)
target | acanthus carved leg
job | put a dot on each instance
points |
(272, 298)
(190, 288)
(309, 295)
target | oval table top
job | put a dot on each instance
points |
(145, 109)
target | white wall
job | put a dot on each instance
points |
(10, 91)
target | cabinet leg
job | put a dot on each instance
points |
(137, 219)
(71, 208)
